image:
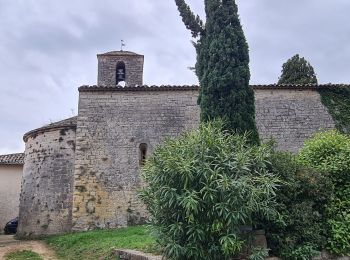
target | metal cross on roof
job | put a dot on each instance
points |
(122, 44)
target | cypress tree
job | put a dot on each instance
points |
(222, 65)
(297, 71)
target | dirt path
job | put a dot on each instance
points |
(9, 244)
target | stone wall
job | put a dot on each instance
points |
(10, 189)
(111, 127)
(46, 196)
(113, 123)
(290, 116)
(95, 185)
(107, 64)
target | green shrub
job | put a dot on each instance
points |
(202, 188)
(301, 253)
(330, 153)
(339, 222)
(301, 202)
(340, 229)
(259, 254)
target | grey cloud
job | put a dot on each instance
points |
(48, 48)
(318, 30)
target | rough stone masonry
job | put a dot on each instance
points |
(84, 172)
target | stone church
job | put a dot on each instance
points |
(83, 172)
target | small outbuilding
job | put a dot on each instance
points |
(11, 169)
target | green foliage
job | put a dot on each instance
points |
(301, 202)
(202, 187)
(259, 254)
(99, 243)
(337, 101)
(222, 66)
(330, 153)
(339, 222)
(191, 21)
(297, 71)
(301, 253)
(23, 255)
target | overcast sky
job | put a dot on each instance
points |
(48, 49)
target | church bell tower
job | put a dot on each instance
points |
(116, 67)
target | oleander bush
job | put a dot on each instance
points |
(203, 188)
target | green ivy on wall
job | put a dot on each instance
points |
(337, 100)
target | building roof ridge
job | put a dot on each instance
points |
(68, 122)
(119, 53)
(137, 88)
(12, 159)
(196, 87)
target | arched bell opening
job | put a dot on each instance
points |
(120, 72)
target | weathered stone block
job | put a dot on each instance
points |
(134, 255)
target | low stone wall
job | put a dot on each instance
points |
(134, 255)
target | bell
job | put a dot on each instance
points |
(120, 75)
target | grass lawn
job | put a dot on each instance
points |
(97, 244)
(23, 255)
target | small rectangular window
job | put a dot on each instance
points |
(143, 154)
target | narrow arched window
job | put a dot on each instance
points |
(120, 72)
(143, 154)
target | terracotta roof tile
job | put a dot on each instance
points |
(137, 88)
(298, 86)
(94, 88)
(12, 159)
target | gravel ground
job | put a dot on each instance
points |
(10, 244)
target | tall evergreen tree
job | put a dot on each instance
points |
(222, 65)
(297, 71)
